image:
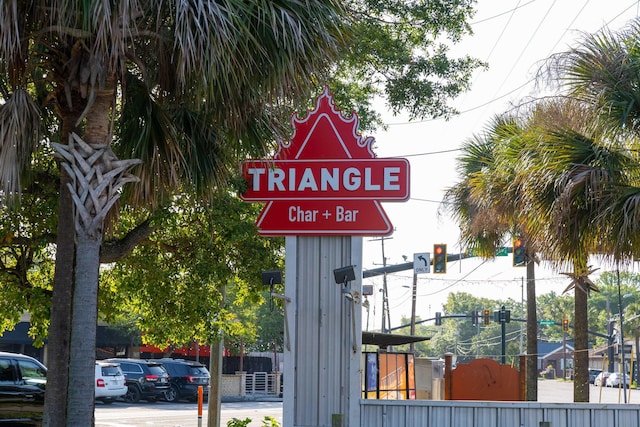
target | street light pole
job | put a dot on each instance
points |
(622, 368)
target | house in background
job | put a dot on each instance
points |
(555, 359)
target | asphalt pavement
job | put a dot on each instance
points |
(557, 391)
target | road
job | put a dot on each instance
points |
(562, 391)
(163, 414)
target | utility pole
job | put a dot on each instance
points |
(564, 355)
(503, 326)
(522, 315)
(386, 316)
(610, 355)
(413, 310)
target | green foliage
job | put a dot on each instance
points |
(460, 337)
(422, 348)
(266, 422)
(169, 288)
(197, 275)
(235, 422)
(27, 233)
(398, 54)
(605, 304)
(554, 307)
(168, 285)
(269, 325)
(176, 277)
(270, 422)
(602, 306)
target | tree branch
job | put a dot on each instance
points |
(115, 250)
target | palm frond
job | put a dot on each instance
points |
(603, 71)
(19, 136)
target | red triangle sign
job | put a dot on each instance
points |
(326, 180)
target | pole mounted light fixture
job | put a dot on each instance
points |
(271, 277)
(343, 276)
(274, 277)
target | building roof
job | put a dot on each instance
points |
(105, 336)
(385, 340)
(18, 335)
(545, 349)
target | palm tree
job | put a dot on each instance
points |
(486, 205)
(539, 170)
(199, 70)
(602, 74)
(569, 183)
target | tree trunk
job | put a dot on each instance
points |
(83, 332)
(98, 177)
(55, 410)
(532, 333)
(581, 339)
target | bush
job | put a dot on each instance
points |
(270, 422)
(235, 422)
(267, 422)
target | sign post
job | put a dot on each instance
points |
(323, 191)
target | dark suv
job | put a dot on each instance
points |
(22, 383)
(185, 376)
(146, 380)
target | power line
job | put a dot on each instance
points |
(518, 6)
(544, 18)
(477, 107)
(497, 98)
(504, 28)
(568, 26)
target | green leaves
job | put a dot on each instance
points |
(198, 274)
(398, 53)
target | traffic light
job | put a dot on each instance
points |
(438, 318)
(565, 325)
(486, 317)
(440, 258)
(519, 253)
(474, 318)
(502, 316)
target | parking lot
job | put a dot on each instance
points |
(163, 414)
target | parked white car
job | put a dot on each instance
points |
(110, 382)
(615, 379)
